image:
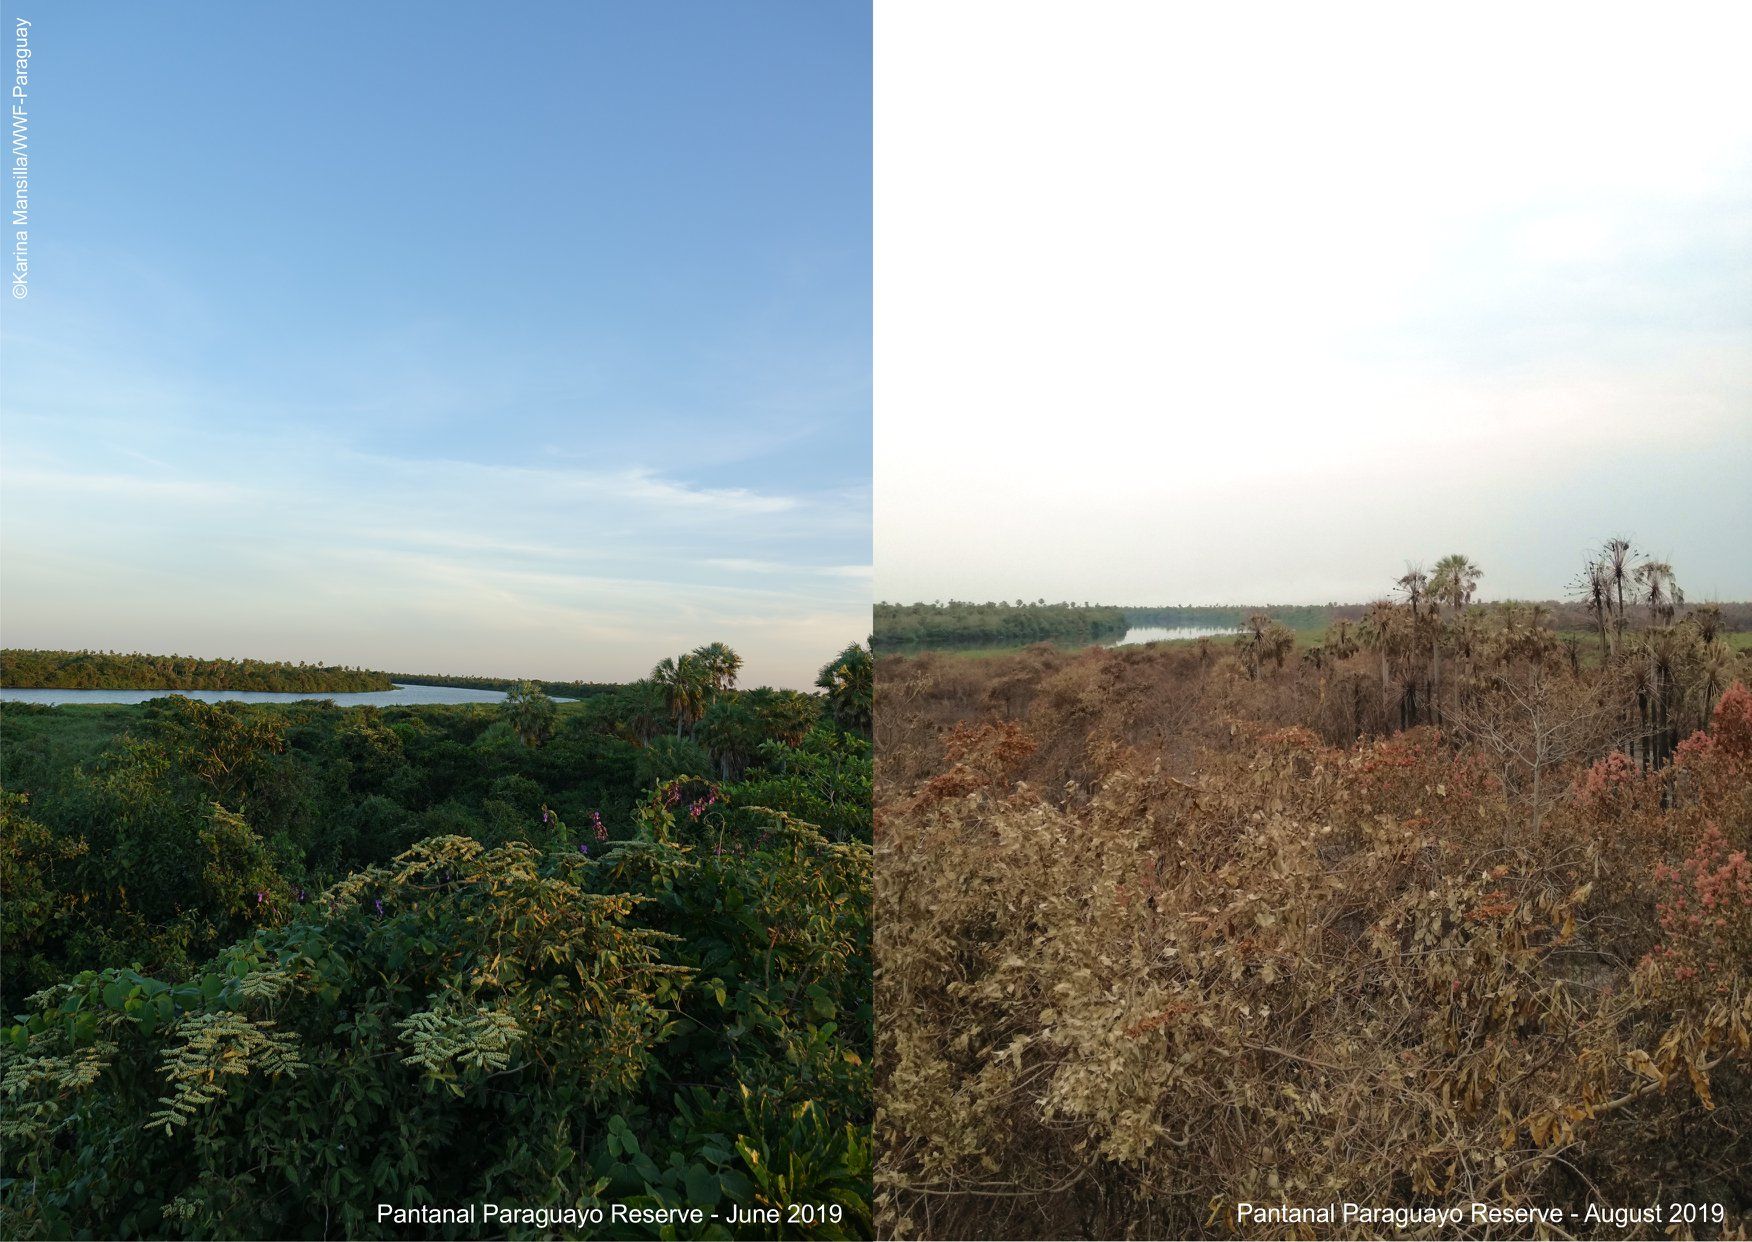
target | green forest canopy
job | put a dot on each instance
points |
(961, 623)
(555, 954)
(110, 670)
(22, 669)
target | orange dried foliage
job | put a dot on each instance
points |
(1154, 937)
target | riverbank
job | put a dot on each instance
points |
(42, 669)
(398, 695)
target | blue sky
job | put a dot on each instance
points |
(533, 340)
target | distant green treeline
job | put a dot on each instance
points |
(962, 624)
(958, 623)
(1312, 618)
(110, 670)
(1233, 616)
(554, 689)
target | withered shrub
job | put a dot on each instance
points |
(1149, 944)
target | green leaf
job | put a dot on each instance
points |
(702, 1186)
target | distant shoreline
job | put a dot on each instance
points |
(34, 669)
(408, 698)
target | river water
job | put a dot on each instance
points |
(401, 696)
(1169, 634)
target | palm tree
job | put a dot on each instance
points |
(1379, 632)
(732, 731)
(647, 704)
(1595, 591)
(1338, 640)
(530, 712)
(1616, 563)
(1659, 657)
(1279, 641)
(667, 676)
(1414, 585)
(697, 682)
(785, 715)
(1542, 642)
(1335, 644)
(721, 664)
(1252, 642)
(1453, 581)
(1315, 657)
(849, 681)
(1708, 620)
(1660, 592)
(1715, 672)
(686, 687)
(1264, 639)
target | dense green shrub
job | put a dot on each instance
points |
(271, 965)
(465, 1023)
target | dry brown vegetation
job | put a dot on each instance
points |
(1165, 929)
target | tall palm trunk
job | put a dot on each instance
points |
(1435, 708)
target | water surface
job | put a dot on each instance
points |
(1170, 634)
(401, 696)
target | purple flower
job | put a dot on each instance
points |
(260, 896)
(584, 849)
(377, 904)
(301, 896)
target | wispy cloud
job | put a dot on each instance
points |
(594, 568)
(742, 565)
(135, 487)
(522, 465)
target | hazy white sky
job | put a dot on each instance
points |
(1214, 303)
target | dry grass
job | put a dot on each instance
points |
(1156, 938)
